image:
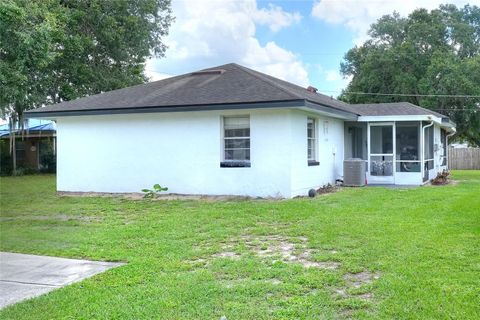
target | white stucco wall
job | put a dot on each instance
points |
(183, 151)
(125, 153)
(330, 144)
(438, 153)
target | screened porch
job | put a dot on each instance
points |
(398, 152)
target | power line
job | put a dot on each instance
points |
(407, 94)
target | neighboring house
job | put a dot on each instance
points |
(460, 145)
(35, 145)
(232, 130)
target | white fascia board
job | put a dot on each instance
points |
(343, 115)
(399, 118)
(437, 120)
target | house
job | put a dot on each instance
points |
(34, 145)
(233, 130)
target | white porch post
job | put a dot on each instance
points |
(422, 146)
(368, 149)
(394, 151)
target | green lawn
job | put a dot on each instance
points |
(387, 253)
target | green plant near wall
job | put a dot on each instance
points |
(153, 193)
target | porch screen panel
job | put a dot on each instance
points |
(381, 140)
(408, 145)
(381, 165)
(381, 150)
(428, 152)
(443, 138)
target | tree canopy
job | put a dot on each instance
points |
(57, 50)
(434, 55)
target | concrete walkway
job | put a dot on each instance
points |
(24, 276)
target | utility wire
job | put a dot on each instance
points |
(407, 94)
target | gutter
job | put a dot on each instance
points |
(446, 147)
(152, 109)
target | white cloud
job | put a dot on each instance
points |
(359, 15)
(332, 75)
(209, 33)
(332, 80)
(274, 17)
(152, 74)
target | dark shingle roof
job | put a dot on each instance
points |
(226, 84)
(392, 109)
(220, 87)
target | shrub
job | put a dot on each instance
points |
(441, 178)
(328, 188)
(153, 193)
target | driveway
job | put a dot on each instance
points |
(24, 276)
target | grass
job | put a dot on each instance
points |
(423, 243)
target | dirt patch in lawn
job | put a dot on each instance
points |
(54, 217)
(226, 254)
(168, 196)
(355, 281)
(276, 248)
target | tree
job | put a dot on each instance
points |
(58, 50)
(427, 53)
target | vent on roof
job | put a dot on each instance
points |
(312, 89)
(207, 72)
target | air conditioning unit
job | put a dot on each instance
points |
(354, 172)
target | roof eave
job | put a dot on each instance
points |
(186, 108)
(211, 107)
(442, 121)
(331, 111)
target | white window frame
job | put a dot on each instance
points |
(314, 157)
(231, 138)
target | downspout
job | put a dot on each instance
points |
(446, 147)
(422, 164)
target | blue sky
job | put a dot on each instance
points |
(296, 40)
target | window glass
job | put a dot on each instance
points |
(311, 139)
(20, 150)
(236, 138)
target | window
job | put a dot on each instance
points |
(236, 141)
(311, 142)
(20, 151)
